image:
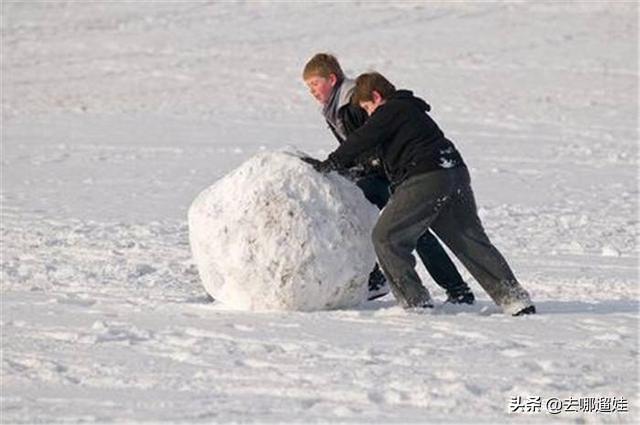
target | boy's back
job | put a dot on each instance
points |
(408, 140)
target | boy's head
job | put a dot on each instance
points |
(371, 91)
(321, 74)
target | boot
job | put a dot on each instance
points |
(378, 286)
(460, 295)
(525, 311)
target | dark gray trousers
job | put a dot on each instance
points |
(443, 201)
(433, 256)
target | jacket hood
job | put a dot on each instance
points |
(340, 97)
(346, 90)
(407, 95)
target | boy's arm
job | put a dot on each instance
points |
(376, 130)
(335, 133)
(354, 118)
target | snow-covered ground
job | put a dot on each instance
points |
(115, 115)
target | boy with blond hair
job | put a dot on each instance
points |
(432, 188)
(328, 84)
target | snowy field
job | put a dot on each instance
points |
(115, 115)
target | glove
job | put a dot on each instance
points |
(309, 160)
(324, 167)
(327, 166)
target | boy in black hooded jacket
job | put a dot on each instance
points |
(328, 84)
(431, 189)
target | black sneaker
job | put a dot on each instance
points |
(421, 307)
(462, 296)
(426, 304)
(525, 311)
(378, 286)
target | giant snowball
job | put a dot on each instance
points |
(274, 234)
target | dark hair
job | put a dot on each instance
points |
(323, 65)
(369, 82)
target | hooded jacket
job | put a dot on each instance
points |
(405, 137)
(344, 118)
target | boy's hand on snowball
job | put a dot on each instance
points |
(325, 166)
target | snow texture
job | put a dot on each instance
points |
(115, 115)
(274, 234)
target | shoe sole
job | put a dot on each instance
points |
(526, 311)
(460, 302)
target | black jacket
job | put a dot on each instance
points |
(350, 117)
(353, 117)
(405, 137)
(366, 164)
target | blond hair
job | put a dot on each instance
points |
(323, 65)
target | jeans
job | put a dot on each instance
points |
(443, 201)
(432, 254)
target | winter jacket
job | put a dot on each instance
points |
(343, 118)
(406, 138)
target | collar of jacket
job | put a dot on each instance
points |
(340, 97)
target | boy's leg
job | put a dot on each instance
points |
(433, 256)
(376, 189)
(459, 226)
(439, 265)
(431, 252)
(413, 205)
